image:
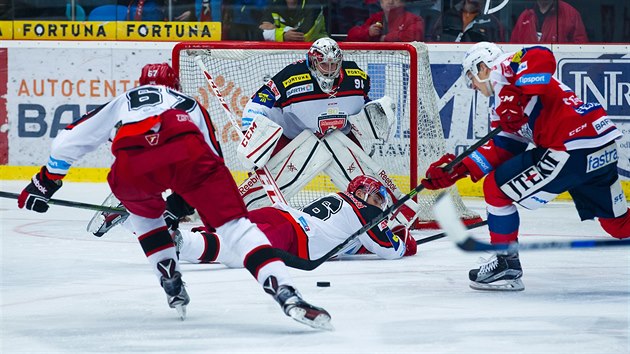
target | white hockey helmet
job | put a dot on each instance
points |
(482, 52)
(324, 61)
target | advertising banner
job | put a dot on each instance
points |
(49, 86)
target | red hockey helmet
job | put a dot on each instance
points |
(159, 74)
(370, 186)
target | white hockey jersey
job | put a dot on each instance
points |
(100, 125)
(330, 220)
(294, 100)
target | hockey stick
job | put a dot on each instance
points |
(306, 264)
(447, 217)
(69, 203)
(444, 234)
(264, 176)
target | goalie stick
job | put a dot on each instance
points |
(446, 216)
(264, 176)
(294, 261)
(72, 204)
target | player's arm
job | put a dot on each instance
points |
(77, 139)
(261, 103)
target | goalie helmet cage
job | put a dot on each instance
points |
(398, 70)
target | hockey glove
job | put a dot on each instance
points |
(37, 194)
(439, 178)
(176, 210)
(510, 109)
(411, 247)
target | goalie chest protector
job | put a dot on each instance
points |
(297, 102)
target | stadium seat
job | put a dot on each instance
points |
(108, 13)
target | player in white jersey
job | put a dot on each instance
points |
(312, 101)
(163, 139)
(312, 232)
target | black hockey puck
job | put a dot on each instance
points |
(323, 284)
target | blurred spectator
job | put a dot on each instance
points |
(546, 23)
(241, 19)
(143, 10)
(294, 21)
(208, 10)
(179, 10)
(466, 22)
(393, 24)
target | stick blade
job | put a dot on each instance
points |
(448, 219)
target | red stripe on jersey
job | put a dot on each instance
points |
(301, 237)
(319, 96)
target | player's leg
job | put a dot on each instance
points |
(601, 195)
(207, 185)
(141, 194)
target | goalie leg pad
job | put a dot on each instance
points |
(292, 168)
(349, 161)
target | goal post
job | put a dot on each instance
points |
(398, 70)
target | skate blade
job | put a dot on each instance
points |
(499, 285)
(181, 311)
(321, 321)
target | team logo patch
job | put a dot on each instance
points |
(356, 72)
(295, 79)
(152, 139)
(516, 58)
(331, 122)
(601, 158)
(300, 89)
(274, 89)
(265, 98)
(534, 79)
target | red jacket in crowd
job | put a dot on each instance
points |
(564, 26)
(402, 26)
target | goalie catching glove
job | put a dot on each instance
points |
(37, 194)
(438, 177)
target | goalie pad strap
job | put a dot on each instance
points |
(292, 168)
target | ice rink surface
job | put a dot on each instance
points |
(66, 291)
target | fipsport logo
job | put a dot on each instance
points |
(533, 79)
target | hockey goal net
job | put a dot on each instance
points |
(398, 70)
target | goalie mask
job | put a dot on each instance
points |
(159, 74)
(370, 186)
(324, 61)
(482, 52)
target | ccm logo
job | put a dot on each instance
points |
(507, 98)
(248, 134)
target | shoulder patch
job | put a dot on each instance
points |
(516, 58)
(295, 79)
(356, 72)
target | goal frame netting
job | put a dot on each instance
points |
(408, 62)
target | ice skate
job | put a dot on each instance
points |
(104, 221)
(500, 273)
(174, 287)
(295, 307)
